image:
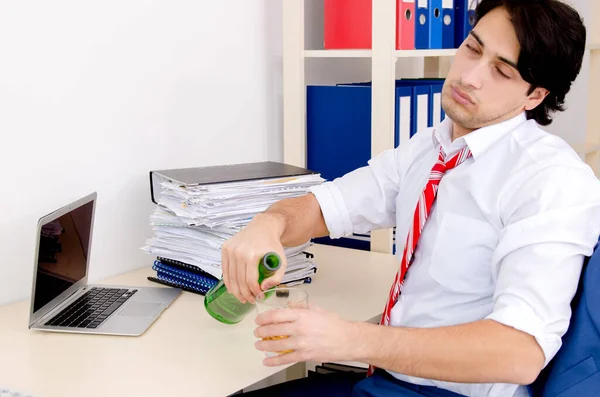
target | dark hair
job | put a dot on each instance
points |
(552, 39)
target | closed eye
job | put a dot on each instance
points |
(472, 49)
(504, 75)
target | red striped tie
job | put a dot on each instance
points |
(420, 216)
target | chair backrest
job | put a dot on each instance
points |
(574, 371)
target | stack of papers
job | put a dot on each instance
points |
(191, 223)
(230, 204)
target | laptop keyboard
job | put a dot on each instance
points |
(92, 308)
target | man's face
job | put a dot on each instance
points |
(484, 86)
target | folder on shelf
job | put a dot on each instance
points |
(464, 12)
(427, 91)
(347, 24)
(338, 114)
(405, 24)
(448, 24)
(422, 25)
(436, 113)
(403, 115)
(435, 24)
(420, 108)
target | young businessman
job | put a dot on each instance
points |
(497, 216)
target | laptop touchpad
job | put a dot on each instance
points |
(140, 309)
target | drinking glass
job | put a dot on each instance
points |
(278, 299)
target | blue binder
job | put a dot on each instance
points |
(436, 113)
(403, 115)
(337, 114)
(448, 24)
(419, 88)
(422, 25)
(177, 274)
(420, 108)
(342, 113)
(464, 14)
(435, 24)
(405, 88)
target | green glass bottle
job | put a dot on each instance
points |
(224, 306)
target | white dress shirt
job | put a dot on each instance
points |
(505, 239)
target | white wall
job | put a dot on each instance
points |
(93, 95)
(571, 124)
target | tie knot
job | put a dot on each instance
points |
(454, 161)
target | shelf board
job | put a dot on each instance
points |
(585, 148)
(425, 53)
(367, 53)
(337, 53)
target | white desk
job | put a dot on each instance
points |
(185, 352)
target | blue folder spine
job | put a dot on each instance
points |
(435, 24)
(448, 21)
(464, 14)
(422, 25)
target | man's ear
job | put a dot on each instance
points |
(535, 98)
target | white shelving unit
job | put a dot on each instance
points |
(384, 56)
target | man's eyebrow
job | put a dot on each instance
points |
(501, 58)
(476, 37)
(508, 62)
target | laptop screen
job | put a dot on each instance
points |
(62, 255)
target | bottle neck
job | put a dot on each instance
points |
(268, 265)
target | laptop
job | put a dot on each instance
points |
(63, 301)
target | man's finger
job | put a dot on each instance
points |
(245, 293)
(252, 279)
(225, 266)
(276, 345)
(233, 282)
(278, 316)
(274, 330)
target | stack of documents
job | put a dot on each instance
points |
(230, 204)
(192, 222)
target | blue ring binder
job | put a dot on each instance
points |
(191, 280)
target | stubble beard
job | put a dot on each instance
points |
(457, 112)
(472, 118)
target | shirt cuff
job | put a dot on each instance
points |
(334, 209)
(524, 319)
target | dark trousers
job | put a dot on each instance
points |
(350, 384)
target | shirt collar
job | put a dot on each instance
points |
(479, 141)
